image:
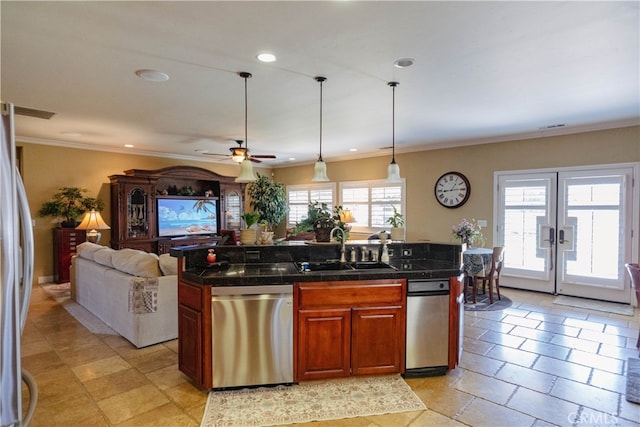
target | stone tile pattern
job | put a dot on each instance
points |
(534, 364)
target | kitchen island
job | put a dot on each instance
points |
(292, 312)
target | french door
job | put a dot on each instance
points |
(568, 231)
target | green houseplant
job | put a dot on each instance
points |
(248, 234)
(397, 225)
(68, 204)
(321, 219)
(269, 199)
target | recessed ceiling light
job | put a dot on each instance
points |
(72, 134)
(292, 158)
(353, 149)
(152, 75)
(129, 145)
(403, 62)
(266, 57)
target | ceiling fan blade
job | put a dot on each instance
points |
(254, 160)
(264, 156)
(216, 154)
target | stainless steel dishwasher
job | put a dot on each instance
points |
(427, 350)
(252, 328)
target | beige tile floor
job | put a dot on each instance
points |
(534, 364)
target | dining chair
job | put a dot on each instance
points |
(634, 273)
(491, 276)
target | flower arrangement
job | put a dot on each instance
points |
(467, 231)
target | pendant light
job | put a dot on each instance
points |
(393, 170)
(246, 168)
(320, 168)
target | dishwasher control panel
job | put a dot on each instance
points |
(427, 285)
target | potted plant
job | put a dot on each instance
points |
(248, 234)
(68, 204)
(397, 225)
(269, 200)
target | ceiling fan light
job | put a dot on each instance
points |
(238, 155)
(393, 172)
(320, 172)
(246, 172)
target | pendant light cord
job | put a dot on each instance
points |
(245, 76)
(393, 120)
(321, 80)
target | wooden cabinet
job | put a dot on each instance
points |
(133, 203)
(65, 241)
(327, 357)
(194, 333)
(456, 320)
(349, 328)
(373, 330)
(132, 212)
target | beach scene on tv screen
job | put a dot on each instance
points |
(178, 217)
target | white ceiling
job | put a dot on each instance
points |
(483, 72)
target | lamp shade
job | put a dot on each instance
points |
(393, 172)
(246, 172)
(92, 221)
(320, 172)
(346, 216)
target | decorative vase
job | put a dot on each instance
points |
(397, 233)
(266, 237)
(248, 236)
(323, 234)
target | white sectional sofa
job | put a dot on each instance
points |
(101, 280)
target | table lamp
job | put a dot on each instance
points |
(93, 222)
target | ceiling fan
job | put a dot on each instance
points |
(238, 154)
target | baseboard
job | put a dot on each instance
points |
(45, 279)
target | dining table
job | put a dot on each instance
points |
(474, 261)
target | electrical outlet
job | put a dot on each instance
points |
(406, 252)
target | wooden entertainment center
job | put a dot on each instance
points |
(133, 205)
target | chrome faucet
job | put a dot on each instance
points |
(342, 258)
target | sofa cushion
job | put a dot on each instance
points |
(137, 263)
(104, 256)
(168, 265)
(87, 249)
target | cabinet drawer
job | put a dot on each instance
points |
(351, 293)
(189, 295)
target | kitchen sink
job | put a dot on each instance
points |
(323, 266)
(370, 265)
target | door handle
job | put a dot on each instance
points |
(561, 237)
(552, 236)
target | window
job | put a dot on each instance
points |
(299, 197)
(372, 202)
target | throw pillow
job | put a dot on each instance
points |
(87, 249)
(103, 256)
(136, 263)
(168, 265)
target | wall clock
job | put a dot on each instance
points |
(452, 190)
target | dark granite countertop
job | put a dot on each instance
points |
(248, 274)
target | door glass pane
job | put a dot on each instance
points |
(524, 207)
(594, 210)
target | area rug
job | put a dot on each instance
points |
(310, 401)
(483, 303)
(62, 294)
(633, 380)
(591, 304)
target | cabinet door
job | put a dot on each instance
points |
(324, 338)
(377, 341)
(190, 343)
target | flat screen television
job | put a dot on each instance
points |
(187, 216)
